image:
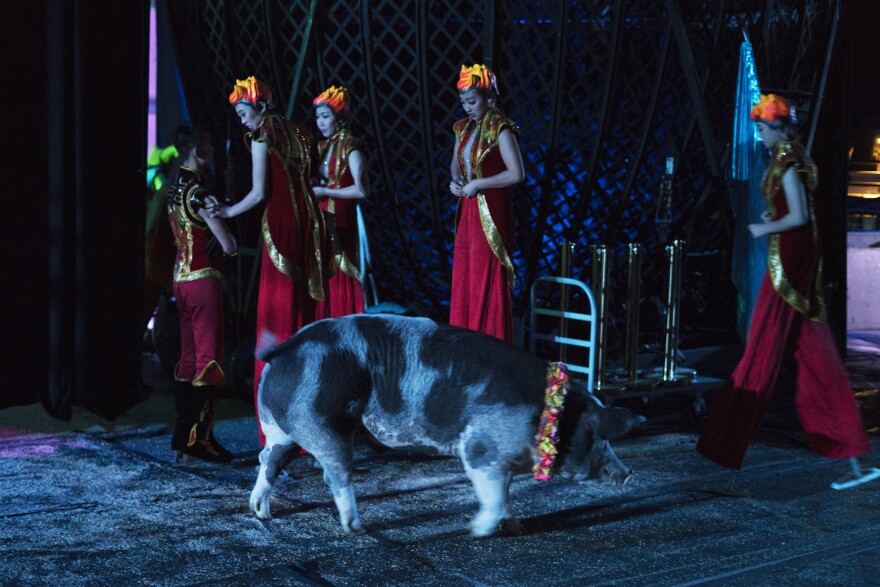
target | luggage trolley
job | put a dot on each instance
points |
(693, 407)
(588, 370)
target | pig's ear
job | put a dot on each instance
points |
(616, 422)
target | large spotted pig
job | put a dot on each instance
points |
(419, 384)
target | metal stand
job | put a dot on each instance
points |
(588, 318)
(631, 379)
(601, 277)
(671, 374)
(564, 271)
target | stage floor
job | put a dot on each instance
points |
(92, 502)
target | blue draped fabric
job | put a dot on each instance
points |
(746, 171)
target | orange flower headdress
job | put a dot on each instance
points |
(337, 99)
(476, 76)
(250, 90)
(770, 108)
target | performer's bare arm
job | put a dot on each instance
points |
(260, 160)
(221, 231)
(512, 161)
(795, 198)
(457, 182)
(357, 163)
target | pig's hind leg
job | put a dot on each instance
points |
(273, 458)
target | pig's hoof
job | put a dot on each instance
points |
(482, 526)
(261, 508)
(355, 528)
(615, 477)
(511, 527)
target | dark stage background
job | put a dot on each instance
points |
(603, 91)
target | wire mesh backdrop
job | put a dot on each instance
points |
(603, 92)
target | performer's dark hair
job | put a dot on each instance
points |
(188, 137)
(486, 93)
(788, 127)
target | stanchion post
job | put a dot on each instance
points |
(601, 277)
(633, 294)
(565, 256)
(634, 264)
(671, 374)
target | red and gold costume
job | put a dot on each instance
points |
(198, 286)
(482, 269)
(344, 294)
(291, 271)
(789, 311)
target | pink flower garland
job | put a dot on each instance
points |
(548, 432)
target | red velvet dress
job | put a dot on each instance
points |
(344, 294)
(789, 314)
(291, 272)
(197, 287)
(482, 269)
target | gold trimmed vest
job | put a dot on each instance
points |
(191, 232)
(480, 156)
(293, 226)
(333, 155)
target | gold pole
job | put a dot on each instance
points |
(630, 360)
(601, 277)
(671, 375)
(564, 271)
(631, 379)
(600, 284)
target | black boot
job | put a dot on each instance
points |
(203, 406)
(185, 417)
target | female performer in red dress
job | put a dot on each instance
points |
(291, 273)
(485, 162)
(790, 310)
(343, 174)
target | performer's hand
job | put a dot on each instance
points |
(766, 216)
(758, 230)
(211, 203)
(455, 187)
(320, 192)
(470, 189)
(220, 211)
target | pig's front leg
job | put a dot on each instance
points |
(338, 479)
(606, 466)
(492, 488)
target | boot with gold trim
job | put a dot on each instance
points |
(202, 434)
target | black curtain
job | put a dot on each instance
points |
(74, 204)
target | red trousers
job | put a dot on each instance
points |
(200, 306)
(283, 307)
(344, 296)
(480, 296)
(824, 400)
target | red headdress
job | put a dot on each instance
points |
(337, 99)
(770, 108)
(476, 76)
(250, 90)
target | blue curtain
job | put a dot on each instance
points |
(746, 171)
